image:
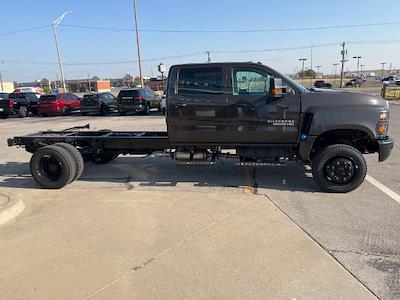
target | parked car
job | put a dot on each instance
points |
(54, 104)
(391, 80)
(354, 82)
(138, 100)
(5, 105)
(164, 104)
(102, 103)
(322, 84)
(20, 104)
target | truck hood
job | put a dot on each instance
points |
(327, 98)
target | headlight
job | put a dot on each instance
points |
(383, 115)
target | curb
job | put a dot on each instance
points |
(11, 209)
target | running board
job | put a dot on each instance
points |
(195, 163)
(259, 164)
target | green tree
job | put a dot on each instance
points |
(307, 73)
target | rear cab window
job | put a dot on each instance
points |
(199, 80)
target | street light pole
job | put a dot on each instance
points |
(383, 69)
(335, 67)
(318, 67)
(138, 43)
(361, 68)
(302, 69)
(358, 62)
(55, 24)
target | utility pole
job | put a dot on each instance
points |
(138, 44)
(209, 60)
(390, 68)
(343, 52)
(361, 68)
(383, 69)
(318, 67)
(302, 69)
(311, 56)
(55, 24)
(358, 63)
(1, 82)
(335, 72)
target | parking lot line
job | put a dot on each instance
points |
(383, 188)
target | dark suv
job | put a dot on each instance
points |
(102, 103)
(138, 100)
(322, 84)
(20, 104)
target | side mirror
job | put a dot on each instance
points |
(277, 89)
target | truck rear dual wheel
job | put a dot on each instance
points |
(339, 168)
(55, 166)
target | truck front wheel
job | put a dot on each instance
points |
(339, 168)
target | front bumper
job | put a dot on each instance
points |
(385, 148)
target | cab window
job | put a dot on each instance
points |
(200, 80)
(250, 82)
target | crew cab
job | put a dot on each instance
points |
(20, 104)
(55, 104)
(242, 111)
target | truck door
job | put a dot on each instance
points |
(256, 117)
(197, 103)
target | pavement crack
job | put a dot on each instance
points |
(173, 247)
(331, 251)
(320, 245)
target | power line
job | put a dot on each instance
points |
(203, 53)
(234, 30)
(117, 29)
(24, 30)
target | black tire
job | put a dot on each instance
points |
(146, 110)
(339, 168)
(104, 111)
(66, 111)
(53, 167)
(79, 162)
(23, 112)
(3, 117)
(121, 112)
(104, 158)
(84, 113)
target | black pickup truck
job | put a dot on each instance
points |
(20, 104)
(242, 111)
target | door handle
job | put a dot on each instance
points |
(181, 105)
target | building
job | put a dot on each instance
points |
(88, 85)
(6, 86)
(127, 80)
(157, 84)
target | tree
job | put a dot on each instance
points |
(307, 73)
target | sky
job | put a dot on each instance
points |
(31, 55)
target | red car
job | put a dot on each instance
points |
(55, 104)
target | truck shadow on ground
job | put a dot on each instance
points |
(163, 172)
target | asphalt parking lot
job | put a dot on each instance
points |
(141, 227)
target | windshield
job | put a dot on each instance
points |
(297, 85)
